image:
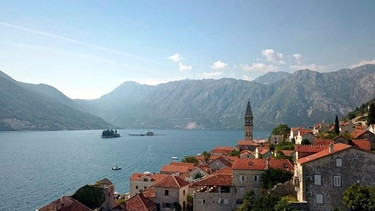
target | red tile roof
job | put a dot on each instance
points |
(357, 133)
(336, 148)
(189, 165)
(249, 164)
(287, 152)
(283, 164)
(247, 143)
(65, 203)
(215, 180)
(154, 177)
(362, 143)
(139, 203)
(225, 170)
(171, 181)
(321, 141)
(222, 150)
(174, 169)
(310, 148)
(222, 160)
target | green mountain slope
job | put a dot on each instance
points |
(25, 107)
(299, 99)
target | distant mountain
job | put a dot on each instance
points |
(272, 77)
(302, 98)
(40, 107)
(299, 99)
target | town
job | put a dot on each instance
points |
(295, 169)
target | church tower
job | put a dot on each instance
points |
(248, 123)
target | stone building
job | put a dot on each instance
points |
(321, 178)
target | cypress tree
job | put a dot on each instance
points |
(371, 114)
(337, 126)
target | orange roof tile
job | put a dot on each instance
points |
(310, 148)
(174, 169)
(321, 141)
(249, 164)
(287, 152)
(247, 143)
(225, 170)
(222, 160)
(362, 143)
(172, 181)
(283, 164)
(336, 148)
(221, 149)
(189, 165)
(65, 203)
(215, 180)
(139, 203)
(154, 177)
(357, 133)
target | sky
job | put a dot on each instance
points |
(87, 48)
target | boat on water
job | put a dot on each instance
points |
(174, 158)
(110, 134)
(116, 168)
(148, 133)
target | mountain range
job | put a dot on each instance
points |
(301, 98)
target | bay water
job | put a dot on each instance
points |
(38, 167)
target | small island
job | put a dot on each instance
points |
(110, 134)
(148, 133)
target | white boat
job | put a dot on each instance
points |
(116, 168)
(174, 158)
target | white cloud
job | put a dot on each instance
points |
(259, 67)
(298, 58)
(363, 62)
(175, 57)
(219, 65)
(184, 67)
(247, 78)
(272, 56)
(211, 74)
(313, 67)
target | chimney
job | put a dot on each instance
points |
(330, 149)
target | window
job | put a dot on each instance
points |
(166, 192)
(338, 162)
(242, 178)
(183, 192)
(136, 187)
(145, 180)
(203, 201)
(239, 201)
(166, 205)
(319, 198)
(317, 179)
(256, 178)
(145, 187)
(337, 181)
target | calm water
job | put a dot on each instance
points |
(39, 167)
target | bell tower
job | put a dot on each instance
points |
(248, 123)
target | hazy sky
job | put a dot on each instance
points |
(87, 48)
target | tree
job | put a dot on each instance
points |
(281, 129)
(358, 197)
(371, 114)
(273, 176)
(190, 159)
(305, 142)
(206, 156)
(337, 126)
(248, 202)
(90, 196)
